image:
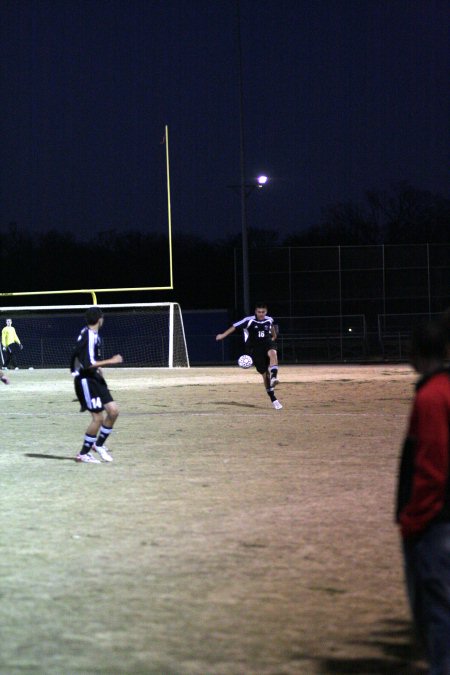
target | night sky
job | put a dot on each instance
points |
(340, 96)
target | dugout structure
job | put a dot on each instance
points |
(146, 334)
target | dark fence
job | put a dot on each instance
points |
(344, 303)
(346, 280)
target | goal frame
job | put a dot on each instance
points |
(115, 306)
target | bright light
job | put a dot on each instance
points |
(262, 180)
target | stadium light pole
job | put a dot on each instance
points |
(245, 187)
(245, 274)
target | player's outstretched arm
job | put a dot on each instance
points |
(222, 336)
(117, 358)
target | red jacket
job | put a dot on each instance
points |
(423, 495)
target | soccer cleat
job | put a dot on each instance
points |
(87, 458)
(276, 404)
(4, 379)
(103, 452)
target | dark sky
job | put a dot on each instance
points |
(340, 96)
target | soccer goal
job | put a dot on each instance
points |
(146, 334)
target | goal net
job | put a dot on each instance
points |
(146, 334)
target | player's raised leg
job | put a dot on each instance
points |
(273, 367)
(270, 392)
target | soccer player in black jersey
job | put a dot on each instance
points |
(260, 336)
(92, 390)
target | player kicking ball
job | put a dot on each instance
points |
(92, 390)
(260, 338)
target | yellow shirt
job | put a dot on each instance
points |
(9, 336)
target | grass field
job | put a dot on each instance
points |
(225, 538)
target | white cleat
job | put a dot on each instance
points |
(103, 452)
(87, 459)
(276, 404)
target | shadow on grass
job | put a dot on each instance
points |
(39, 456)
(400, 655)
(238, 405)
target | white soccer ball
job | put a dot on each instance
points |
(31, 368)
(245, 361)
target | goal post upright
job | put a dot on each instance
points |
(171, 336)
(93, 291)
(169, 206)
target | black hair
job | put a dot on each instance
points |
(260, 305)
(429, 341)
(93, 315)
(445, 321)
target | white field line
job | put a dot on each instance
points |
(211, 413)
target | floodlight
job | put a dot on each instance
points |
(262, 180)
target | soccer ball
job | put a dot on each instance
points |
(245, 361)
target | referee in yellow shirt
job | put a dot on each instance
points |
(9, 341)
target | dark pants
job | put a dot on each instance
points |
(427, 569)
(10, 355)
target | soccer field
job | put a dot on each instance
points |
(225, 538)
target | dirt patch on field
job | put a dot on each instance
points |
(226, 537)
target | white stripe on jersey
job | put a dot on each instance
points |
(86, 392)
(249, 319)
(91, 344)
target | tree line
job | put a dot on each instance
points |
(204, 271)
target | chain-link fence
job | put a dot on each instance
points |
(318, 292)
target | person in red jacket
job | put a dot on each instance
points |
(423, 496)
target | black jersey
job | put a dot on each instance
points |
(256, 332)
(86, 353)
